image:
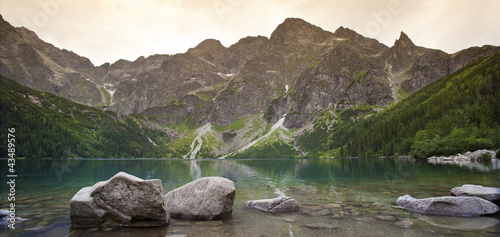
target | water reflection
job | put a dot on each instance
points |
(486, 166)
(475, 223)
(356, 196)
(195, 169)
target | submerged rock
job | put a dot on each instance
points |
(58, 229)
(4, 213)
(209, 223)
(365, 219)
(122, 201)
(376, 206)
(338, 216)
(320, 226)
(488, 193)
(207, 198)
(451, 222)
(386, 218)
(6, 219)
(324, 212)
(276, 205)
(448, 206)
(404, 224)
(331, 206)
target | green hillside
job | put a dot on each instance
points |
(49, 126)
(457, 113)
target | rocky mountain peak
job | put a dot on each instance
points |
(296, 30)
(256, 75)
(404, 49)
(404, 41)
(208, 45)
(344, 33)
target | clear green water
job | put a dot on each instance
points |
(361, 194)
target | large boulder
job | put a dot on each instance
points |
(206, 198)
(122, 201)
(276, 205)
(448, 206)
(489, 193)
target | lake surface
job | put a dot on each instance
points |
(348, 197)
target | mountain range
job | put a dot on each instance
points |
(213, 100)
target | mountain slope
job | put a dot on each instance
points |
(312, 78)
(322, 69)
(457, 113)
(50, 126)
(27, 59)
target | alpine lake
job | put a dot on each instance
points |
(338, 197)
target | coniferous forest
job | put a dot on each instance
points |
(457, 113)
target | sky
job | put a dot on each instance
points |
(109, 30)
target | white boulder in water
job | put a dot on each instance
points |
(448, 206)
(276, 205)
(207, 198)
(491, 194)
(122, 201)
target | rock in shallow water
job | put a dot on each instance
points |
(376, 206)
(207, 198)
(209, 223)
(448, 206)
(122, 201)
(386, 218)
(320, 226)
(404, 224)
(451, 222)
(491, 194)
(331, 206)
(6, 220)
(276, 205)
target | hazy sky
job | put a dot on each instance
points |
(108, 30)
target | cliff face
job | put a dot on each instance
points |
(37, 64)
(300, 71)
(415, 67)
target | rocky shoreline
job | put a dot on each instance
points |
(469, 160)
(127, 201)
(468, 156)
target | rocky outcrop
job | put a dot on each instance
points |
(468, 156)
(122, 201)
(276, 205)
(448, 206)
(491, 194)
(207, 198)
(27, 59)
(472, 160)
